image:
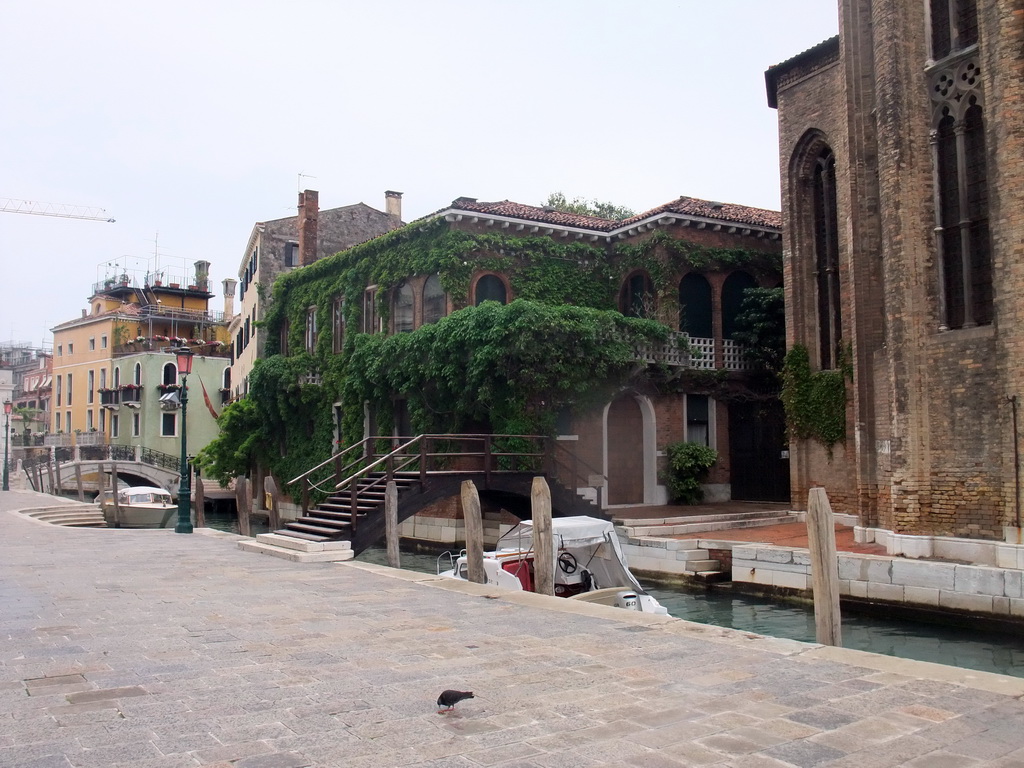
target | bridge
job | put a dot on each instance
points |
(342, 498)
(61, 468)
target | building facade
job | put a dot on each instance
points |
(281, 245)
(901, 162)
(688, 265)
(112, 365)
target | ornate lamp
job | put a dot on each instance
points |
(8, 407)
(184, 525)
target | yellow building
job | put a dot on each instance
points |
(128, 315)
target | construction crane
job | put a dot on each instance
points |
(60, 210)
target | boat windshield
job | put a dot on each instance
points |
(147, 498)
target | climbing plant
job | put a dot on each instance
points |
(815, 401)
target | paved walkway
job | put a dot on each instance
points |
(150, 648)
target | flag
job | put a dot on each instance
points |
(206, 399)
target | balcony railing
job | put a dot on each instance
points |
(206, 349)
(681, 350)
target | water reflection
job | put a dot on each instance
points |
(960, 647)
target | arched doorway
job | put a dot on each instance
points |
(625, 450)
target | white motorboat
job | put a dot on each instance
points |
(139, 507)
(589, 564)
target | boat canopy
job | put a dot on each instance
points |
(578, 531)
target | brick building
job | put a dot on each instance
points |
(276, 247)
(902, 164)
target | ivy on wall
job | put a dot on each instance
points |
(509, 368)
(815, 401)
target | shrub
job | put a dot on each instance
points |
(688, 464)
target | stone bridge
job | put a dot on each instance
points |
(61, 469)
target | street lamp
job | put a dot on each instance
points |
(8, 407)
(185, 486)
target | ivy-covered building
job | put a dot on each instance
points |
(621, 338)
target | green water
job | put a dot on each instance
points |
(959, 647)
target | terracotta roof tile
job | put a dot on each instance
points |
(685, 206)
(709, 209)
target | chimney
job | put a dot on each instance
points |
(309, 215)
(202, 279)
(229, 297)
(393, 205)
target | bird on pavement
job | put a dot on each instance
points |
(449, 699)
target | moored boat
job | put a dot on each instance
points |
(589, 564)
(139, 507)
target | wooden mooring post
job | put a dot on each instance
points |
(116, 502)
(821, 540)
(272, 498)
(243, 504)
(78, 481)
(200, 500)
(391, 523)
(474, 532)
(54, 488)
(543, 538)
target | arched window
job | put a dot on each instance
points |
(732, 300)
(225, 378)
(311, 332)
(403, 309)
(338, 324)
(434, 300)
(170, 375)
(117, 377)
(962, 241)
(636, 297)
(138, 374)
(826, 257)
(695, 306)
(490, 288)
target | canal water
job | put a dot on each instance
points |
(959, 647)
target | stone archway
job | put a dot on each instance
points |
(625, 451)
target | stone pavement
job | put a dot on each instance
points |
(150, 648)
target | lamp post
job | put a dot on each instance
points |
(185, 486)
(8, 407)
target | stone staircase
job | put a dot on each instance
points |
(298, 550)
(648, 545)
(73, 516)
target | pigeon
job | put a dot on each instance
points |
(449, 699)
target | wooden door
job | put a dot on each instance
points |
(625, 452)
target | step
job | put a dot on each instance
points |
(710, 517)
(317, 530)
(345, 508)
(698, 527)
(295, 556)
(302, 545)
(702, 565)
(304, 536)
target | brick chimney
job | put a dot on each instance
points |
(393, 205)
(229, 297)
(309, 215)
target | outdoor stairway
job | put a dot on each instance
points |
(74, 516)
(331, 520)
(684, 524)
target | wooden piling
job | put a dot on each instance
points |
(821, 540)
(116, 502)
(474, 532)
(78, 481)
(200, 501)
(543, 538)
(391, 523)
(272, 497)
(243, 504)
(55, 488)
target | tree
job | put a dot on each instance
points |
(603, 210)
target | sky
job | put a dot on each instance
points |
(188, 122)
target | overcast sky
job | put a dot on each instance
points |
(189, 121)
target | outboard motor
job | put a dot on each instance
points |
(627, 600)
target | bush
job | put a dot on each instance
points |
(688, 464)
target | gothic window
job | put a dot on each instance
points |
(490, 288)
(954, 26)
(434, 300)
(404, 304)
(170, 374)
(826, 257)
(138, 374)
(636, 297)
(695, 306)
(733, 292)
(338, 324)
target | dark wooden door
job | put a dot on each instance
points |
(625, 452)
(757, 451)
